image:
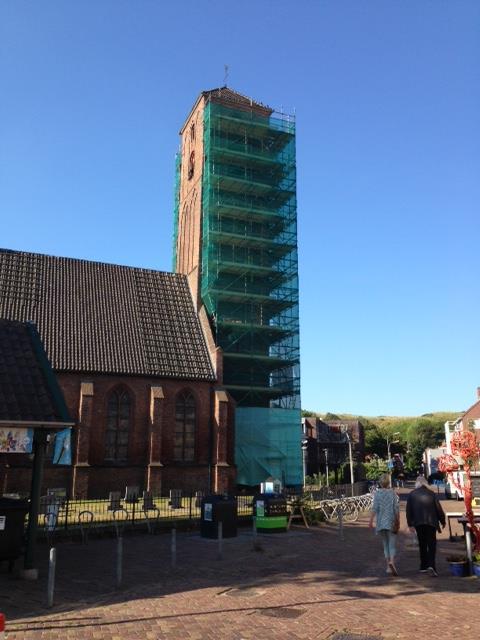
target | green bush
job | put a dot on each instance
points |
(375, 468)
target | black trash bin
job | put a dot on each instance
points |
(217, 509)
(12, 527)
(270, 511)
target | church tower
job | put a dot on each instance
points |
(236, 239)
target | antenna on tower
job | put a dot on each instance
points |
(225, 79)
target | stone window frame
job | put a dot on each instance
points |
(119, 391)
(179, 434)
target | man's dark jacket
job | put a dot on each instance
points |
(423, 508)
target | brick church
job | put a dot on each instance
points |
(139, 354)
(139, 371)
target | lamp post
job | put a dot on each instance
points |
(304, 457)
(390, 442)
(345, 431)
(325, 451)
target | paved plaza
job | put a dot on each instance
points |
(306, 584)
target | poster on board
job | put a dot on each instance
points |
(62, 452)
(16, 440)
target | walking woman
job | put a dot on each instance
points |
(386, 511)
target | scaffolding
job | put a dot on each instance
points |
(249, 271)
(249, 280)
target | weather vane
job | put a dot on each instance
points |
(225, 79)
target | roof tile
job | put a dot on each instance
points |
(105, 318)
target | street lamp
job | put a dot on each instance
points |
(390, 442)
(304, 456)
(345, 431)
(325, 451)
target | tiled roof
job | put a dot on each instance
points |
(229, 96)
(105, 318)
(29, 392)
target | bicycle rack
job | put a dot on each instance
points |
(120, 517)
(85, 519)
(152, 521)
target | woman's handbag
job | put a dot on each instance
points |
(396, 524)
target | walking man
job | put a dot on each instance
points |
(424, 515)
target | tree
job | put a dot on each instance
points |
(377, 437)
(422, 434)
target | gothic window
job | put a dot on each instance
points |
(119, 420)
(192, 132)
(185, 417)
(191, 165)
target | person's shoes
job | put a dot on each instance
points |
(423, 570)
(393, 569)
(432, 572)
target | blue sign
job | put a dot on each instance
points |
(62, 453)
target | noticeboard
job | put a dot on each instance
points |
(16, 440)
(260, 508)
(208, 512)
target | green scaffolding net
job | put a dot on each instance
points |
(268, 444)
(249, 281)
(249, 273)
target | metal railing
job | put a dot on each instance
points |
(68, 514)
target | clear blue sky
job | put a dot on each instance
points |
(387, 97)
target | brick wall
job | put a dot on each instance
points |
(190, 201)
(101, 476)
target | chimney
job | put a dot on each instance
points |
(478, 393)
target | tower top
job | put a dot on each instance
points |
(230, 98)
(234, 98)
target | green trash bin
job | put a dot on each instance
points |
(270, 510)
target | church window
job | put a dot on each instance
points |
(191, 165)
(185, 419)
(192, 132)
(119, 419)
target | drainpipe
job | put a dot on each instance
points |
(210, 441)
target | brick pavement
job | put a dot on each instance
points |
(299, 585)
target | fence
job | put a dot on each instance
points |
(60, 513)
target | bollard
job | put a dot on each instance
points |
(469, 546)
(340, 520)
(220, 540)
(52, 562)
(2, 626)
(254, 531)
(173, 547)
(119, 561)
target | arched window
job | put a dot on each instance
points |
(119, 419)
(191, 165)
(185, 417)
